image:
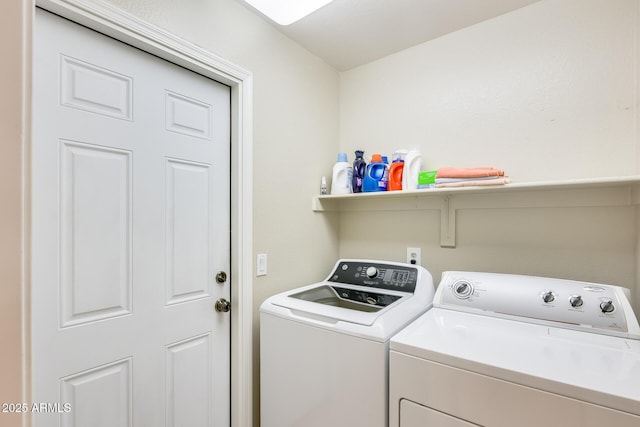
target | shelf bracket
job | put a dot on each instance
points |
(448, 223)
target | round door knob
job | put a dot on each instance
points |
(548, 297)
(607, 306)
(576, 301)
(222, 305)
(221, 277)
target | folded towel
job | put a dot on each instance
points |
(448, 180)
(475, 182)
(449, 172)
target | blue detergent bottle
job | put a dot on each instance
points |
(359, 171)
(377, 176)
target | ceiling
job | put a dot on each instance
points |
(349, 33)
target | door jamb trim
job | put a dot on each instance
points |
(114, 22)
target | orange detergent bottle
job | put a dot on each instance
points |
(396, 170)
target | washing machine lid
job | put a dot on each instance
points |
(331, 303)
(369, 298)
(597, 368)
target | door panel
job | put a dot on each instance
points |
(189, 393)
(95, 89)
(100, 397)
(130, 223)
(95, 250)
(187, 213)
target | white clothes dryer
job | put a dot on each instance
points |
(502, 350)
(324, 348)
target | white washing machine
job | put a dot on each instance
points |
(502, 350)
(324, 348)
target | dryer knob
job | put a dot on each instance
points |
(607, 306)
(548, 297)
(576, 301)
(462, 289)
(372, 272)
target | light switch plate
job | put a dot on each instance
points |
(261, 265)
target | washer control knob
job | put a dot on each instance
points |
(576, 301)
(607, 306)
(372, 272)
(463, 289)
(548, 297)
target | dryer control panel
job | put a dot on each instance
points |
(561, 303)
(397, 277)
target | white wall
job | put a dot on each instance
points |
(544, 92)
(547, 92)
(13, 134)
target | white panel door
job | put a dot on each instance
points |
(130, 202)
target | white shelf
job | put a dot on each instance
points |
(610, 191)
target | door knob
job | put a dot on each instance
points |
(221, 277)
(222, 305)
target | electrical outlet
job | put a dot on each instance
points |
(414, 256)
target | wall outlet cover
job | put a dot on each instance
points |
(414, 256)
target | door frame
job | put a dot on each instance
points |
(114, 22)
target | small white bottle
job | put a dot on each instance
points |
(342, 173)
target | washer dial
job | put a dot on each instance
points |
(462, 289)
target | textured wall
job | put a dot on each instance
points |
(547, 92)
(544, 92)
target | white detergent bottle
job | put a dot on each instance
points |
(412, 168)
(342, 173)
